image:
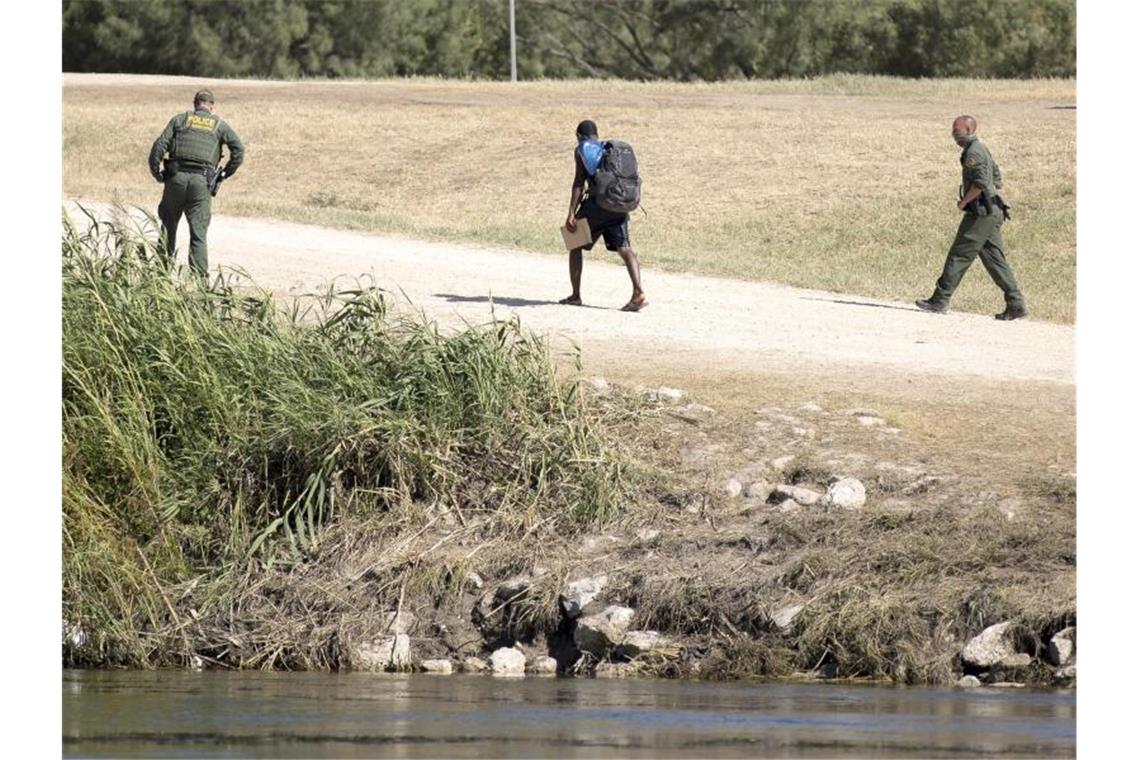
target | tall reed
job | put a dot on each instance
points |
(207, 427)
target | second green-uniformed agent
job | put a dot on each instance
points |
(979, 234)
(192, 145)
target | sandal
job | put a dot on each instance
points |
(571, 301)
(637, 305)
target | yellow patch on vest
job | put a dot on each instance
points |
(201, 122)
(971, 162)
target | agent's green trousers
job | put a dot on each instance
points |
(186, 193)
(978, 236)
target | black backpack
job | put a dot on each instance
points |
(617, 185)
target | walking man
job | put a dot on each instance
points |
(192, 145)
(979, 233)
(612, 226)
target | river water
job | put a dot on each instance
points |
(227, 714)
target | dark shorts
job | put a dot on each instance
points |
(610, 225)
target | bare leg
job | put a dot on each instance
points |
(575, 296)
(631, 266)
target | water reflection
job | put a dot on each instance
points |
(221, 714)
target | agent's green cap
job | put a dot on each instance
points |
(204, 96)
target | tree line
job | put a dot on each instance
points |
(683, 40)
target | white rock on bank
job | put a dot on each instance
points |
(845, 493)
(577, 594)
(475, 665)
(508, 661)
(968, 682)
(733, 488)
(989, 647)
(391, 653)
(785, 617)
(596, 634)
(1062, 646)
(613, 670)
(637, 643)
(442, 667)
(798, 494)
(544, 666)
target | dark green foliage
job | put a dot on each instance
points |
(629, 39)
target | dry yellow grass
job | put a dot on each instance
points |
(842, 183)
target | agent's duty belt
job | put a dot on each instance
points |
(182, 169)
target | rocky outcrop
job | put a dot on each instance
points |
(577, 594)
(845, 493)
(508, 661)
(543, 666)
(638, 643)
(614, 670)
(387, 653)
(442, 667)
(800, 495)
(1063, 646)
(989, 647)
(598, 634)
(784, 619)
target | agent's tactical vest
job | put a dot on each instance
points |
(196, 139)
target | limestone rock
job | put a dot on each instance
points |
(1067, 673)
(508, 661)
(798, 494)
(512, 590)
(475, 665)
(390, 653)
(474, 580)
(1063, 646)
(442, 667)
(576, 595)
(968, 682)
(636, 643)
(544, 666)
(613, 670)
(989, 647)
(733, 488)
(845, 493)
(1015, 661)
(1007, 685)
(668, 394)
(785, 617)
(596, 634)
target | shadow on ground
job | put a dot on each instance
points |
(846, 302)
(501, 300)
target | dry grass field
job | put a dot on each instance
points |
(842, 183)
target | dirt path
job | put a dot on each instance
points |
(727, 325)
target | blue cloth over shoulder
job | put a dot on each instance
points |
(591, 152)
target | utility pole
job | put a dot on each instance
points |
(514, 66)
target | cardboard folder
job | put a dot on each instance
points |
(579, 237)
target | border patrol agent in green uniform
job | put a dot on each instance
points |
(192, 143)
(979, 234)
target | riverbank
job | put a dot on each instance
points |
(258, 505)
